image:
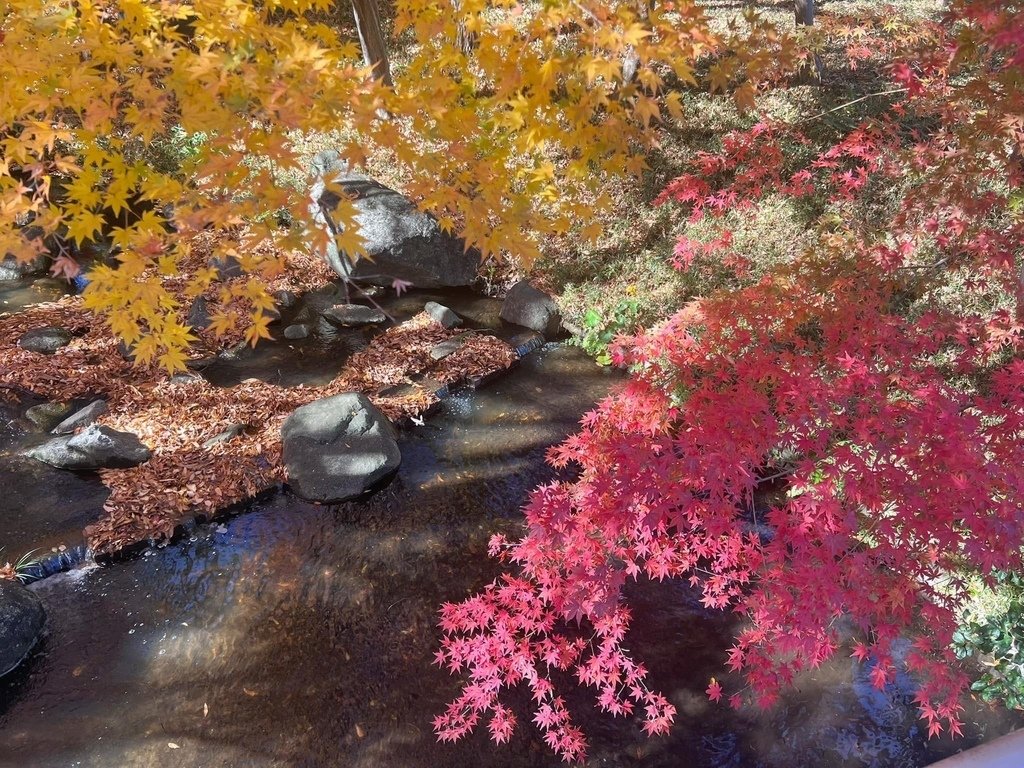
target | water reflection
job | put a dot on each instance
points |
(302, 635)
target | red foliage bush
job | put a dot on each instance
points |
(895, 415)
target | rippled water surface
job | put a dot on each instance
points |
(302, 635)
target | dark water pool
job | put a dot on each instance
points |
(302, 635)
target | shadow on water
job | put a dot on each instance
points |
(302, 635)
(41, 507)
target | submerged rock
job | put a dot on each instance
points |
(401, 241)
(442, 314)
(337, 448)
(21, 623)
(531, 308)
(95, 447)
(285, 299)
(233, 431)
(47, 415)
(526, 342)
(45, 341)
(449, 346)
(348, 315)
(81, 418)
(297, 331)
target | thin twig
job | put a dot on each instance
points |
(851, 103)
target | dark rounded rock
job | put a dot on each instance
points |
(400, 240)
(227, 268)
(285, 299)
(297, 331)
(338, 448)
(21, 623)
(531, 308)
(45, 341)
(198, 314)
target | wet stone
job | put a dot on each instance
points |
(12, 269)
(47, 415)
(532, 308)
(442, 314)
(285, 299)
(81, 418)
(347, 315)
(449, 346)
(45, 341)
(297, 331)
(338, 448)
(94, 448)
(525, 343)
(21, 623)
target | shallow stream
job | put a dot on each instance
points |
(302, 635)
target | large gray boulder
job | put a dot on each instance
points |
(401, 241)
(525, 305)
(95, 447)
(21, 623)
(337, 448)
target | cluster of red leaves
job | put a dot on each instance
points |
(901, 434)
(186, 477)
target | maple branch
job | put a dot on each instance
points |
(776, 476)
(850, 104)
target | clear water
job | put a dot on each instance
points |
(302, 635)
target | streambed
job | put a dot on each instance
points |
(302, 635)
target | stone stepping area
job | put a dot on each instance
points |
(215, 447)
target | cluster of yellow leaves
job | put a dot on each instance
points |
(509, 142)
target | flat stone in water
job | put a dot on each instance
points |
(45, 341)
(347, 315)
(21, 623)
(449, 346)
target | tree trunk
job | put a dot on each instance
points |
(631, 61)
(803, 10)
(375, 51)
